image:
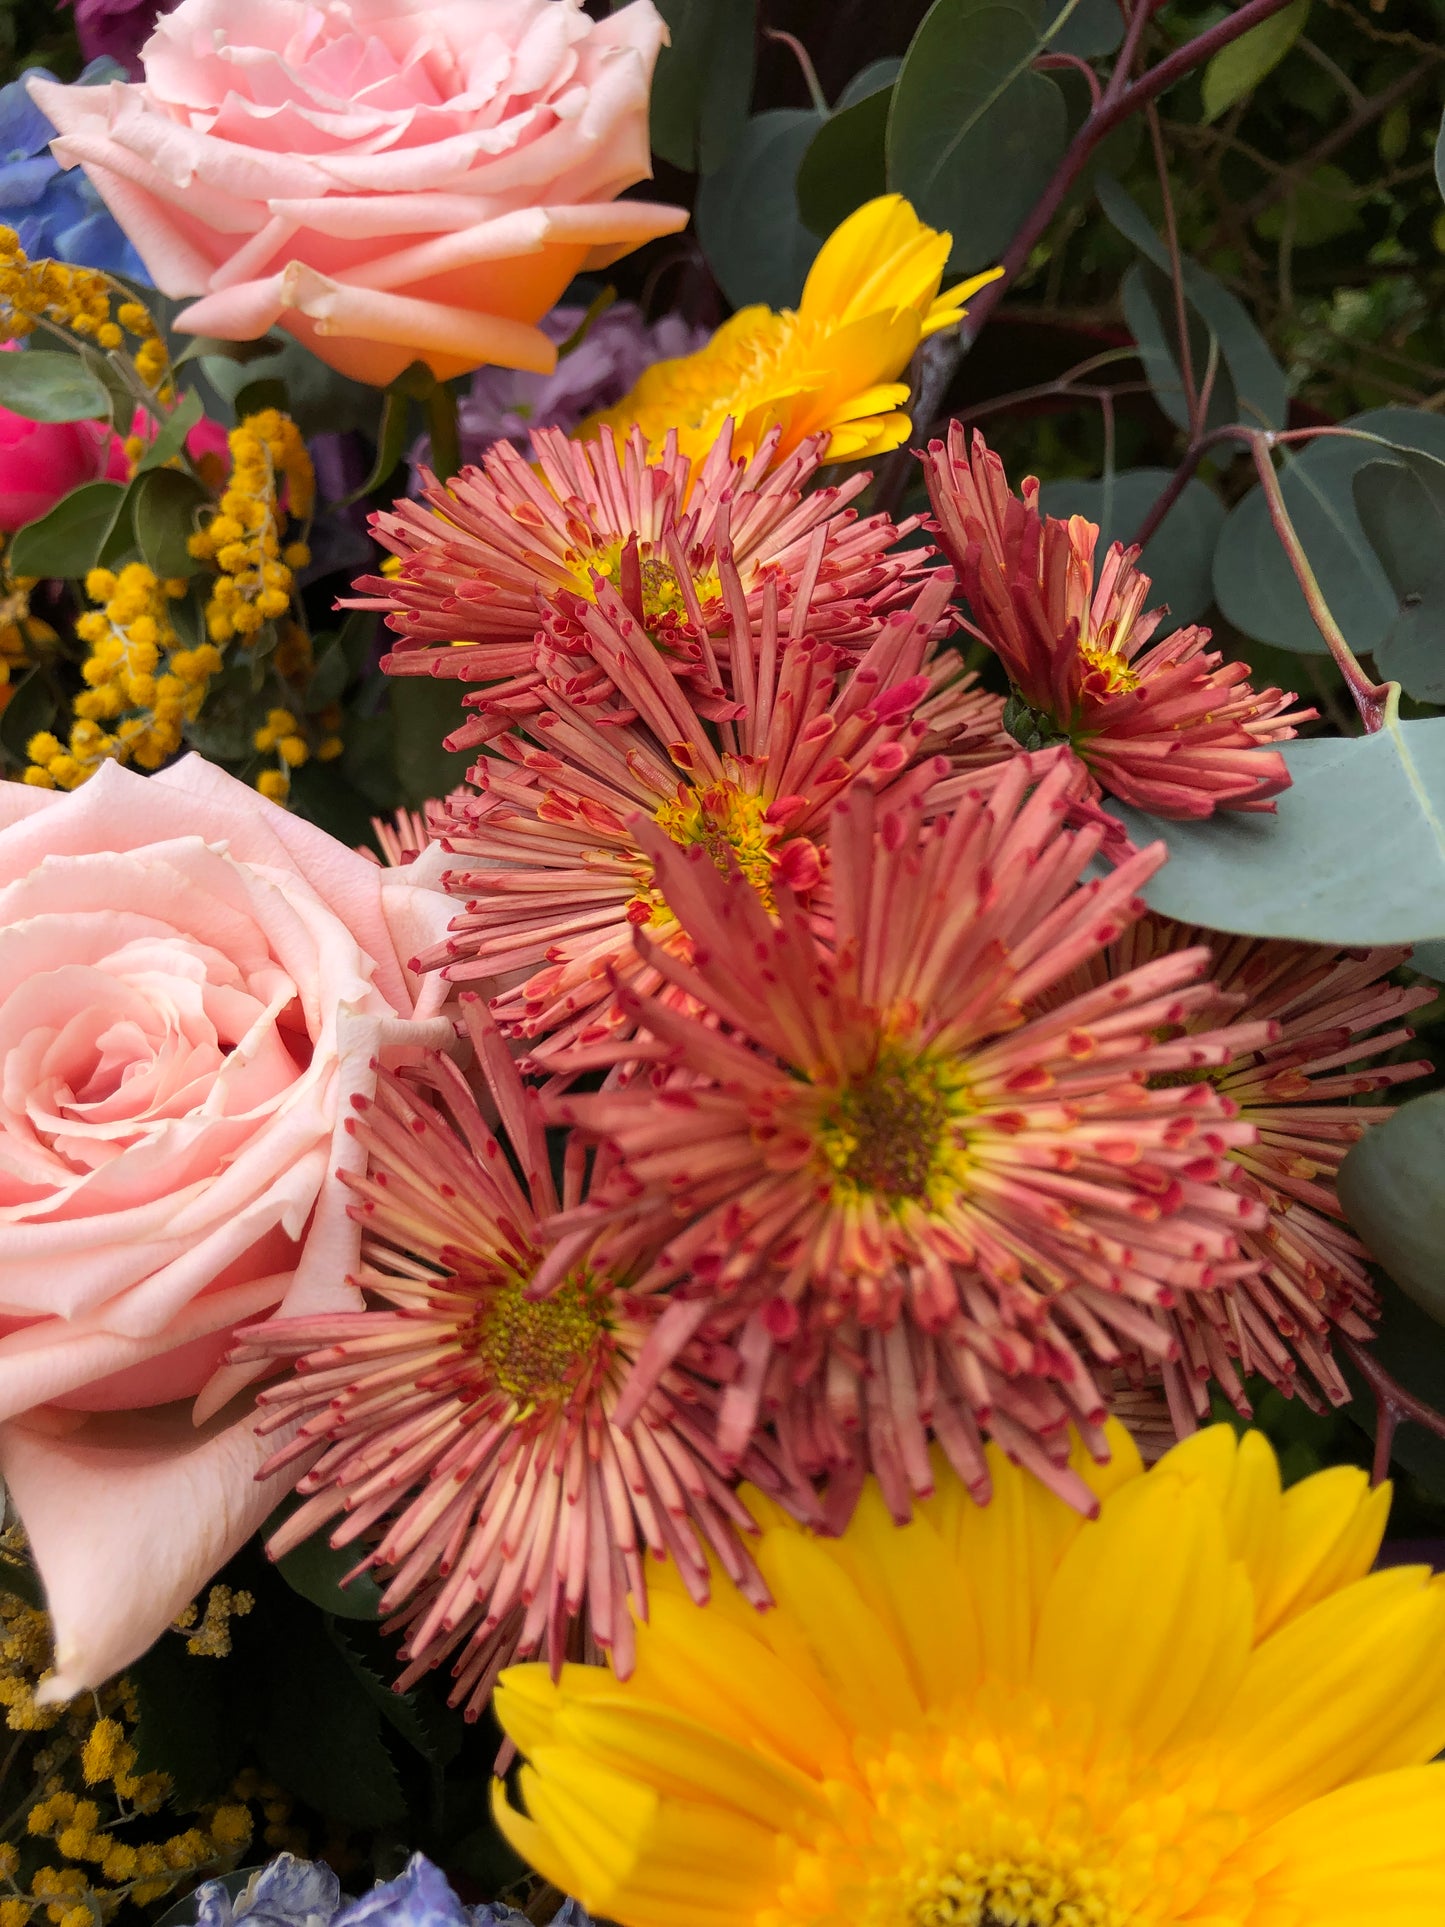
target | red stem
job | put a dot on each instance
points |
(1393, 1404)
(1121, 98)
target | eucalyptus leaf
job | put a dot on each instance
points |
(1354, 855)
(266, 391)
(1401, 506)
(704, 81)
(1392, 1187)
(392, 434)
(968, 108)
(240, 352)
(1254, 583)
(1093, 27)
(747, 211)
(845, 164)
(872, 79)
(43, 385)
(164, 502)
(68, 541)
(1440, 156)
(1180, 553)
(1236, 70)
(425, 709)
(1254, 391)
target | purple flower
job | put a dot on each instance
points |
(504, 404)
(117, 29)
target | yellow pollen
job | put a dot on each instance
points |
(539, 1350)
(893, 1132)
(663, 602)
(1119, 678)
(726, 821)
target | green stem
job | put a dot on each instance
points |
(446, 445)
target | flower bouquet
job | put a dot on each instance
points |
(704, 1219)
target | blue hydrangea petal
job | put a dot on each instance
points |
(24, 130)
(289, 1893)
(420, 1896)
(213, 1904)
(23, 182)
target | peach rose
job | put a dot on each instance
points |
(387, 179)
(193, 984)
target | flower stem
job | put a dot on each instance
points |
(1392, 1404)
(1370, 698)
(446, 446)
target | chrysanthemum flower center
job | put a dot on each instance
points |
(663, 601)
(538, 1350)
(1107, 662)
(891, 1132)
(727, 822)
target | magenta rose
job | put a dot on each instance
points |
(41, 462)
(193, 985)
(387, 179)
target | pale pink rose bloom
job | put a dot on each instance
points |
(387, 179)
(193, 985)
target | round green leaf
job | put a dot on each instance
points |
(68, 541)
(1392, 1186)
(1090, 27)
(164, 505)
(1253, 582)
(1354, 855)
(845, 163)
(43, 385)
(1180, 553)
(704, 81)
(1401, 506)
(973, 134)
(747, 212)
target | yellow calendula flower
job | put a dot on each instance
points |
(871, 296)
(1196, 1710)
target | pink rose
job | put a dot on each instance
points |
(193, 984)
(40, 462)
(387, 179)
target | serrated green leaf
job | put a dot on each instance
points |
(1355, 854)
(1237, 69)
(1180, 555)
(315, 1569)
(1401, 506)
(967, 109)
(845, 163)
(704, 81)
(1392, 1187)
(42, 385)
(164, 504)
(1254, 583)
(68, 541)
(186, 1727)
(319, 1733)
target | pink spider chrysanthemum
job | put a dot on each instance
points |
(1333, 1010)
(468, 1436)
(557, 880)
(910, 1207)
(481, 555)
(1168, 726)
